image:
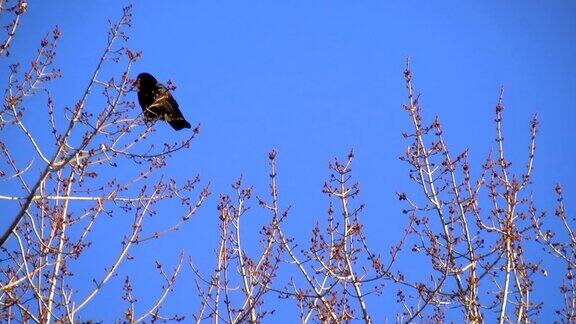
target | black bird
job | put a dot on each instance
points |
(157, 102)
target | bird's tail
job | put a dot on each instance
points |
(179, 123)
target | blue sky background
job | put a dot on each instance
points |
(313, 79)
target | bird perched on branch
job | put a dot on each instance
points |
(157, 102)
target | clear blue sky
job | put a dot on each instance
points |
(313, 79)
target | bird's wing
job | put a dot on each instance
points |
(170, 109)
(164, 99)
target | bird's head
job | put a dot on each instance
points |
(145, 81)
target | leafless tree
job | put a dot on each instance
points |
(470, 249)
(10, 14)
(562, 246)
(236, 268)
(99, 160)
(93, 160)
(469, 235)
